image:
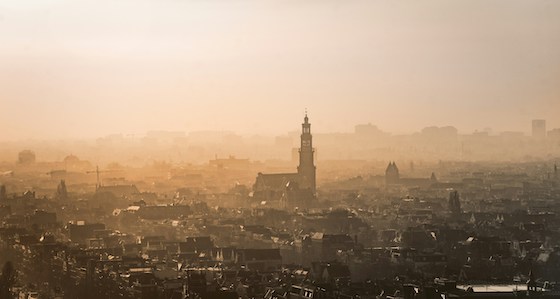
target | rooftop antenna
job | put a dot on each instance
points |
(97, 174)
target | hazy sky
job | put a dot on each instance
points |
(88, 68)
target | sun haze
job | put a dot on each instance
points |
(83, 69)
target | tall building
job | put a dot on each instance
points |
(454, 203)
(539, 128)
(392, 175)
(306, 168)
(293, 189)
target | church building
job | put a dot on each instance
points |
(291, 189)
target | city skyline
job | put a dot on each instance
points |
(279, 149)
(527, 131)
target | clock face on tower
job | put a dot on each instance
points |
(305, 143)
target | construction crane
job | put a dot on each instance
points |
(97, 172)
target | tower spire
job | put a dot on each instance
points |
(306, 168)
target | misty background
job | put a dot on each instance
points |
(92, 68)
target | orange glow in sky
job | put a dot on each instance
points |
(90, 68)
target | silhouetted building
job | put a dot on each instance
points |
(26, 157)
(392, 174)
(306, 168)
(61, 192)
(259, 259)
(72, 162)
(367, 130)
(42, 218)
(454, 203)
(120, 191)
(291, 188)
(79, 232)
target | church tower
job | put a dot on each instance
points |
(392, 176)
(306, 168)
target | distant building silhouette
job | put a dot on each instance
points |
(433, 177)
(392, 174)
(306, 168)
(393, 177)
(454, 203)
(73, 163)
(367, 130)
(26, 157)
(291, 188)
(119, 191)
(539, 128)
(61, 191)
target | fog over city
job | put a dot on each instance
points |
(279, 149)
(95, 68)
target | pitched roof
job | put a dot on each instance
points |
(196, 244)
(277, 180)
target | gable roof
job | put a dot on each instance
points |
(196, 244)
(276, 180)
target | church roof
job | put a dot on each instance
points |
(392, 167)
(277, 180)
